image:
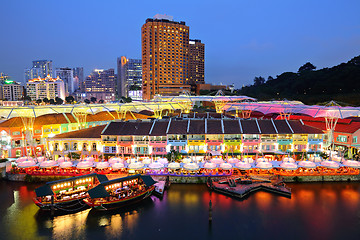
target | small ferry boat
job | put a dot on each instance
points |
(120, 192)
(67, 194)
(161, 186)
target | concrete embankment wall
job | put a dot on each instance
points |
(200, 180)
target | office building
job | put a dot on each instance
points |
(3, 77)
(66, 74)
(196, 63)
(101, 85)
(48, 87)
(165, 57)
(129, 76)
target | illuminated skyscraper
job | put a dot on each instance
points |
(66, 74)
(165, 57)
(129, 76)
(101, 85)
(196, 63)
(40, 68)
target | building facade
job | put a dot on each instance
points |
(129, 76)
(40, 68)
(12, 91)
(159, 137)
(48, 87)
(101, 85)
(165, 57)
(196, 63)
(66, 75)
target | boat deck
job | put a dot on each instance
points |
(241, 188)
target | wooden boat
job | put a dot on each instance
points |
(67, 194)
(120, 192)
(161, 186)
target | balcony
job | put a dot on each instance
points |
(177, 142)
(157, 142)
(214, 142)
(268, 140)
(285, 141)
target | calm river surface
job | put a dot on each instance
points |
(315, 211)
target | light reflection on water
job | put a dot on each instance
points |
(315, 211)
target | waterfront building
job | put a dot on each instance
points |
(196, 63)
(209, 135)
(165, 57)
(129, 76)
(48, 87)
(78, 74)
(3, 77)
(66, 75)
(40, 68)
(12, 91)
(101, 85)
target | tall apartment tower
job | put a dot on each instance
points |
(165, 57)
(129, 76)
(78, 74)
(66, 74)
(40, 68)
(196, 63)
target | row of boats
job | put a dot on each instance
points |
(95, 191)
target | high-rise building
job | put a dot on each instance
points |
(66, 74)
(129, 76)
(196, 63)
(40, 68)
(12, 91)
(78, 74)
(165, 56)
(101, 85)
(48, 87)
(3, 77)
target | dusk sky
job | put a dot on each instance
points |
(243, 39)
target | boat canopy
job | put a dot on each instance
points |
(100, 177)
(44, 190)
(98, 192)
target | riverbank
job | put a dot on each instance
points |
(192, 179)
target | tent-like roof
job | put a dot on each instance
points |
(92, 132)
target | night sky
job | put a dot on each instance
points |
(243, 39)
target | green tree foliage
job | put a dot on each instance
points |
(87, 101)
(58, 101)
(69, 99)
(340, 83)
(306, 67)
(46, 100)
(259, 81)
(93, 99)
(52, 101)
(38, 101)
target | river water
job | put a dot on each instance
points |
(315, 211)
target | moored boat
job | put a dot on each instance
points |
(120, 192)
(67, 194)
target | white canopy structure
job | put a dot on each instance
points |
(102, 165)
(85, 165)
(209, 165)
(115, 160)
(226, 166)
(48, 164)
(163, 160)
(330, 164)
(233, 160)
(264, 165)
(117, 165)
(243, 165)
(156, 165)
(66, 164)
(289, 165)
(217, 160)
(191, 166)
(173, 165)
(186, 160)
(307, 164)
(136, 166)
(27, 164)
(351, 163)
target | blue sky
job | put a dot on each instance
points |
(243, 39)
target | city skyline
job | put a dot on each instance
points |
(243, 40)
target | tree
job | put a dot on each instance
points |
(38, 101)
(52, 101)
(46, 100)
(87, 101)
(58, 101)
(306, 67)
(27, 98)
(270, 78)
(259, 81)
(101, 101)
(93, 99)
(69, 99)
